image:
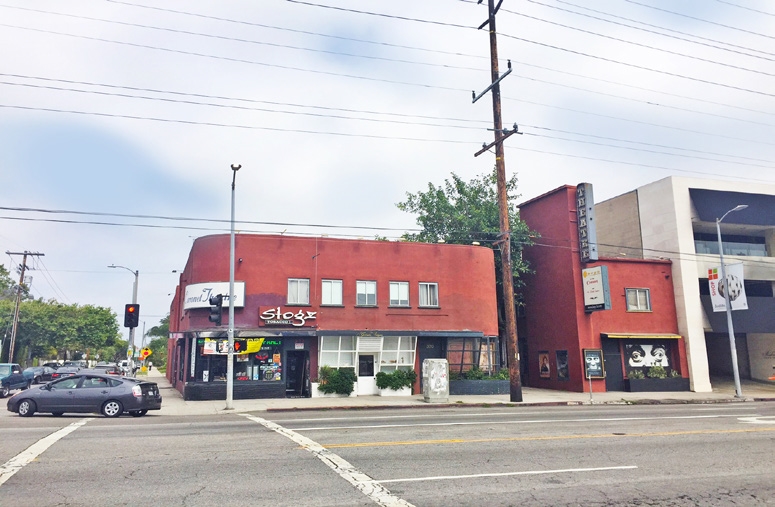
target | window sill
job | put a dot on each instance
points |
(430, 307)
(366, 306)
(331, 306)
(399, 306)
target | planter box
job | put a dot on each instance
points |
(641, 385)
(463, 387)
(405, 391)
(317, 394)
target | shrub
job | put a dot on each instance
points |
(503, 374)
(475, 374)
(674, 374)
(657, 372)
(336, 381)
(636, 374)
(396, 380)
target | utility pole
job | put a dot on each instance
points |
(15, 325)
(507, 281)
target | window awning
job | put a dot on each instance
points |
(642, 336)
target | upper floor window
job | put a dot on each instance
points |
(331, 293)
(298, 291)
(366, 293)
(638, 300)
(399, 293)
(429, 294)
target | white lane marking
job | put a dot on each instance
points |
(531, 421)
(767, 419)
(16, 463)
(348, 472)
(505, 474)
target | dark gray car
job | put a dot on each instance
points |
(89, 393)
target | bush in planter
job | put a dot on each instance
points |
(657, 372)
(636, 374)
(396, 380)
(336, 381)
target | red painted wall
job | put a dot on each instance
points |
(554, 299)
(465, 277)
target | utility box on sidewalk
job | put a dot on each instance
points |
(435, 380)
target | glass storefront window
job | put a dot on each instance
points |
(263, 361)
(397, 353)
(337, 351)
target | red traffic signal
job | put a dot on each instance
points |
(240, 346)
(131, 315)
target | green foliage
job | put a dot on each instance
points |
(462, 212)
(162, 330)
(476, 374)
(47, 325)
(657, 372)
(636, 374)
(674, 374)
(396, 380)
(158, 348)
(503, 374)
(456, 375)
(336, 381)
(7, 285)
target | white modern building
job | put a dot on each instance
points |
(675, 218)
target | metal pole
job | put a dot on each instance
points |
(135, 272)
(730, 328)
(230, 357)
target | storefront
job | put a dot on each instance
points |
(303, 303)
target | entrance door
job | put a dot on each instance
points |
(367, 382)
(612, 359)
(297, 366)
(430, 348)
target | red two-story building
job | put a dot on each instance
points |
(593, 323)
(304, 302)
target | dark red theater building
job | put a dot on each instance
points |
(303, 302)
(594, 319)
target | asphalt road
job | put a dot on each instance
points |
(719, 454)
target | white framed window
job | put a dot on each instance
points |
(365, 293)
(298, 291)
(397, 353)
(429, 294)
(337, 351)
(638, 300)
(399, 293)
(331, 292)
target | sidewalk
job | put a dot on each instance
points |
(723, 392)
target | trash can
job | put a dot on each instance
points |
(435, 380)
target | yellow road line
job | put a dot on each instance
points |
(539, 438)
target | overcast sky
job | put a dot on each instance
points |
(113, 110)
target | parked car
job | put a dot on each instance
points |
(11, 378)
(38, 374)
(89, 393)
(52, 364)
(106, 368)
(64, 371)
(80, 363)
(128, 367)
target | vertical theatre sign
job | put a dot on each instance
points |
(585, 221)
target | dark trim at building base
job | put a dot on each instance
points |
(642, 385)
(201, 391)
(464, 387)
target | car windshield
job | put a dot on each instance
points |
(5, 369)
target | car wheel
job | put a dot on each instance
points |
(57, 414)
(138, 413)
(112, 408)
(26, 408)
(5, 391)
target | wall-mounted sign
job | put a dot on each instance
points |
(597, 294)
(198, 294)
(585, 222)
(718, 289)
(275, 316)
(593, 363)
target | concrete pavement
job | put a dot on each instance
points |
(723, 392)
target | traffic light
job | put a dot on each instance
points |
(240, 346)
(131, 315)
(216, 303)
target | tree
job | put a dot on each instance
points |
(464, 212)
(7, 285)
(159, 345)
(162, 330)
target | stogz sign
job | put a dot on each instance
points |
(276, 317)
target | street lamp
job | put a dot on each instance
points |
(732, 347)
(130, 350)
(230, 357)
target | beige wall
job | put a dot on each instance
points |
(618, 227)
